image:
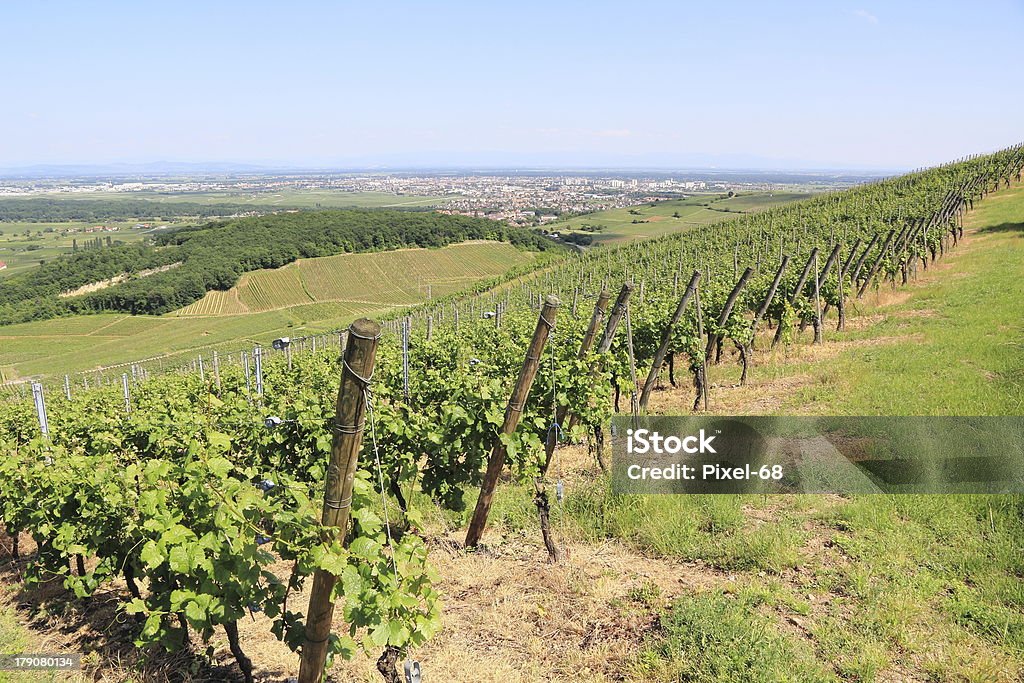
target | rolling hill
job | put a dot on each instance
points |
(306, 297)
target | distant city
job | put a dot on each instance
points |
(519, 197)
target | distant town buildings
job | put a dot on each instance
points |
(524, 199)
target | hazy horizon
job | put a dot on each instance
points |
(849, 86)
(212, 168)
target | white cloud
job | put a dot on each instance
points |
(866, 16)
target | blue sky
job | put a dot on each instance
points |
(633, 84)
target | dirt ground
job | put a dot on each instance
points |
(508, 616)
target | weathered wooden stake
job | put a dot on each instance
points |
(730, 303)
(767, 302)
(702, 379)
(618, 310)
(876, 264)
(845, 270)
(513, 412)
(797, 291)
(817, 301)
(588, 340)
(350, 411)
(666, 340)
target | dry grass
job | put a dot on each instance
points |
(508, 615)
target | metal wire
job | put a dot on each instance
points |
(380, 478)
(363, 381)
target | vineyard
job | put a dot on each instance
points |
(398, 278)
(670, 216)
(186, 492)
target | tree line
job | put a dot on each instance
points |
(57, 210)
(215, 255)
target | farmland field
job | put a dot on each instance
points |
(311, 295)
(24, 245)
(661, 218)
(305, 199)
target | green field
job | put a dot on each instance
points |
(302, 199)
(661, 218)
(310, 296)
(388, 279)
(24, 245)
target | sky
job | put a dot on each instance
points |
(804, 84)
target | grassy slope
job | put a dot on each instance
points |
(949, 344)
(83, 342)
(785, 588)
(617, 224)
(871, 588)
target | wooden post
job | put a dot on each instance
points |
(348, 435)
(817, 299)
(666, 340)
(832, 259)
(727, 309)
(634, 403)
(588, 340)
(767, 301)
(797, 291)
(512, 414)
(844, 268)
(876, 264)
(618, 310)
(860, 261)
(702, 380)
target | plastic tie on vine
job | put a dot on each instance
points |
(413, 671)
(559, 434)
(266, 485)
(272, 421)
(560, 491)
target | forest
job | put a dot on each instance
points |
(60, 210)
(215, 255)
